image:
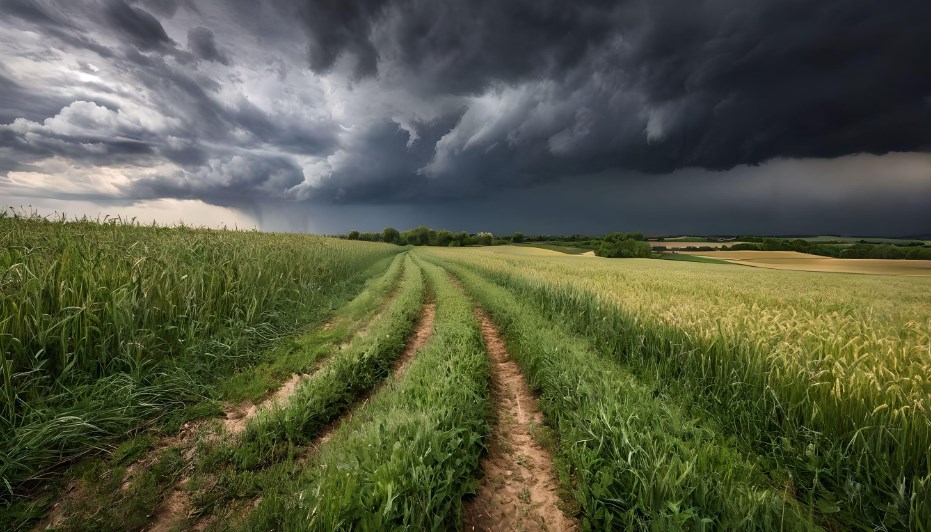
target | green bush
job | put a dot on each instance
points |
(626, 249)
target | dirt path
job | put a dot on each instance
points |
(519, 489)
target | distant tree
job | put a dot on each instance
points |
(625, 248)
(484, 238)
(418, 236)
(442, 238)
(517, 238)
(353, 235)
(391, 235)
(370, 237)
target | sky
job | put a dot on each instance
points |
(540, 116)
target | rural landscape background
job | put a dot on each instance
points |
(481, 265)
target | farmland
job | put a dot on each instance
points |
(792, 260)
(159, 378)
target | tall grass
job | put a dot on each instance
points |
(365, 362)
(631, 458)
(825, 374)
(405, 460)
(105, 325)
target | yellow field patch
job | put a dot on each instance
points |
(683, 245)
(792, 260)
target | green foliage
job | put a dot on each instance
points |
(391, 235)
(618, 237)
(106, 326)
(862, 249)
(625, 248)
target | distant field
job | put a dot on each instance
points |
(855, 239)
(529, 250)
(556, 247)
(686, 238)
(691, 243)
(792, 260)
(687, 257)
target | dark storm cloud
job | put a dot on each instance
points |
(720, 83)
(201, 42)
(141, 27)
(390, 101)
(17, 101)
(334, 27)
(229, 179)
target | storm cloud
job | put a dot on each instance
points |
(320, 105)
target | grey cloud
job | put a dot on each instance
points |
(17, 101)
(165, 8)
(227, 179)
(201, 43)
(140, 26)
(723, 82)
(337, 27)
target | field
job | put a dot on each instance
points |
(172, 378)
(855, 239)
(677, 244)
(792, 260)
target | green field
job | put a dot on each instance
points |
(171, 378)
(570, 250)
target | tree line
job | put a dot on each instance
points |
(860, 250)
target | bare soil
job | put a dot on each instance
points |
(519, 490)
(237, 417)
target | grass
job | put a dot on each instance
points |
(106, 504)
(343, 378)
(821, 375)
(569, 250)
(687, 258)
(676, 395)
(112, 328)
(632, 459)
(406, 459)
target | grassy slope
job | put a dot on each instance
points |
(569, 250)
(687, 258)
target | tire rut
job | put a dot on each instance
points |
(423, 330)
(519, 489)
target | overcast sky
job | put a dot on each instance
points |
(666, 116)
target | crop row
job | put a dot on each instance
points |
(406, 459)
